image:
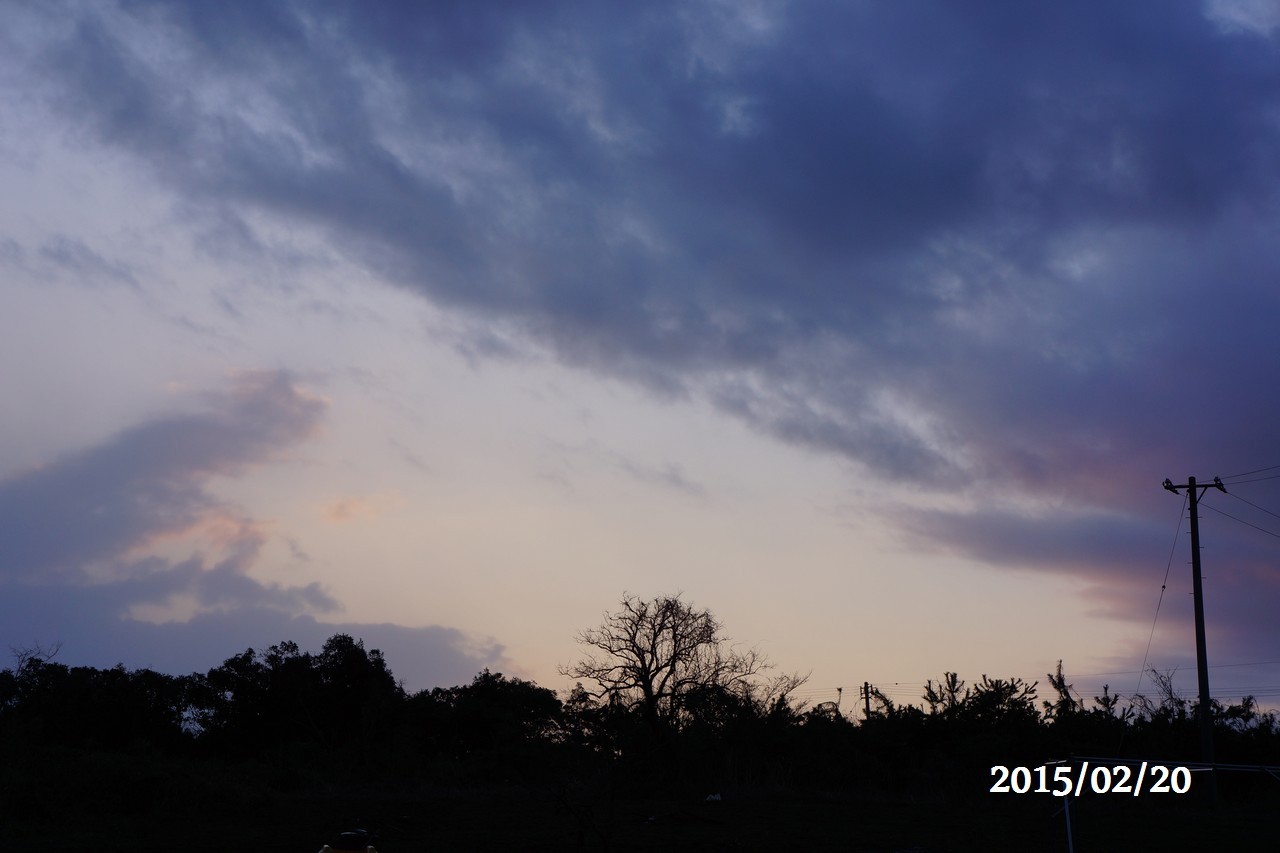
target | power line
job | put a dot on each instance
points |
(1242, 521)
(1163, 585)
(1254, 471)
(1255, 480)
(903, 686)
(1211, 666)
(905, 695)
(1254, 505)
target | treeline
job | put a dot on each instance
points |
(287, 743)
(303, 718)
(339, 708)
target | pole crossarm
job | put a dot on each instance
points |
(1191, 484)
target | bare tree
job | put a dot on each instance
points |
(24, 656)
(654, 655)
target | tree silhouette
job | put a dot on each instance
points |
(494, 727)
(655, 656)
(284, 695)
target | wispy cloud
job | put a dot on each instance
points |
(359, 507)
(81, 264)
(561, 462)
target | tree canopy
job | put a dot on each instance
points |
(665, 701)
(660, 656)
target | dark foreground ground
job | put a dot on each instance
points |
(566, 819)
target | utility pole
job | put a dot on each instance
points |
(1194, 492)
(866, 697)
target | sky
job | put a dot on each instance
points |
(872, 327)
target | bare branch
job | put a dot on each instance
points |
(652, 655)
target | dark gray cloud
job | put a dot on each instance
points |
(83, 524)
(1025, 247)
(89, 635)
(1125, 560)
(75, 533)
(671, 195)
(94, 506)
(82, 264)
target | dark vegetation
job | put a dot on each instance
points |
(281, 748)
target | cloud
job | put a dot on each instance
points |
(984, 212)
(85, 544)
(560, 463)
(91, 636)
(671, 476)
(1244, 16)
(1090, 543)
(1130, 564)
(80, 263)
(95, 525)
(92, 508)
(1017, 247)
(360, 507)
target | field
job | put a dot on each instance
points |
(567, 819)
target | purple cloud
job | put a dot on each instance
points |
(96, 505)
(1009, 217)
(71, 533)
(1025, 248)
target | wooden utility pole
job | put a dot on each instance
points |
(1205, 714)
